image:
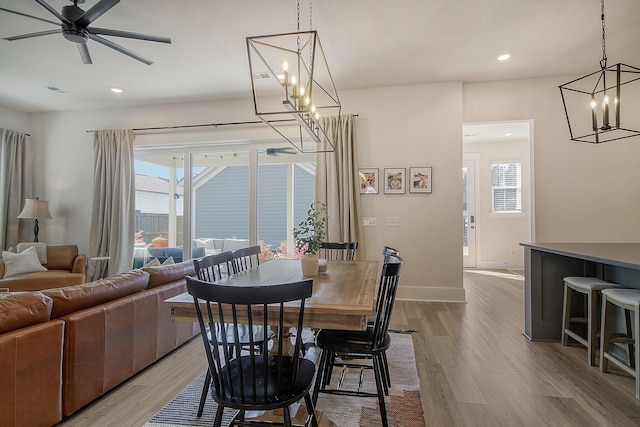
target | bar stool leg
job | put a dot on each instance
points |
(566, 313)
(592, 329)
(605, 333)
(636, 357)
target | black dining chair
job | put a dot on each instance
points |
(246, 258)
(251, 378)
(214, 267)
(209, 269)
(354, 346)
(388, 250)
(339, 251)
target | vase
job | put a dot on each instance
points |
(309, 264)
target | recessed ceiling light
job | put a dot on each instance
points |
(508, 134)
(504, 57)
(116, 90)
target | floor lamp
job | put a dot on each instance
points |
(35, 209)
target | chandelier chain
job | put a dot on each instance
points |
(604, 52)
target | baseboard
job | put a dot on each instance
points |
(431, 293)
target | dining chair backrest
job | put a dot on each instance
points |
(213, 267)
(388, 250)
(254, 378)
(386, 297)
(338, 251)
(246, 258)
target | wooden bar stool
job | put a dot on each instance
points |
(591, 288)
(628, 300)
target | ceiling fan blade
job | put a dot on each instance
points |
(95, 12)
(120, 49)
(29, 16)
(129, 35)
(28, 36)
(84, 53)
(53, 11)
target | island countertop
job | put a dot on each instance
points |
(619, 254)
(546, 266)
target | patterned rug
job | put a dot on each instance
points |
(403, 403)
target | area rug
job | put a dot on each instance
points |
(404, 408)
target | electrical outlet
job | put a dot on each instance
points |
(369, 222)
(393, 221)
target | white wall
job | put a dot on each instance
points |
(14, 119)
(583, 192)
(395, 128)
(406, 126)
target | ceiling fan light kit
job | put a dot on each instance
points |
(593, 104)
(295, 87)
(74, 26)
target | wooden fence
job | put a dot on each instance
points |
(156, 225)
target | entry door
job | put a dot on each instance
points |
(469, 213)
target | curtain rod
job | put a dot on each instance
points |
(214, 125)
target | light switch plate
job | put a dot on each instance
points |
(368, 222)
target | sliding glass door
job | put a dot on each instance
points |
(234, 197)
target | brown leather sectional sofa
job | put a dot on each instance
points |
(65, 266)
(62, 348)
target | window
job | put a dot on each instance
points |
(506, 187)
(222, 203)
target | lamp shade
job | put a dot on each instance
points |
(35, 208)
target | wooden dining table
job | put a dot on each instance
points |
(343, 296)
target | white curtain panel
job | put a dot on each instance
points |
(15, 184)
(112, 218)
(337, 182)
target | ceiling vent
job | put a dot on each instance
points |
(262, 75)
(57, 90)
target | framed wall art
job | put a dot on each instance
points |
(394, 179)
(369, 180)
(420, 179)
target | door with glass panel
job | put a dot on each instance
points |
(469, 213)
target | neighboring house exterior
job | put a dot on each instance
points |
(221, 200)
(152, 195)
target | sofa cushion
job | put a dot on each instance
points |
(25, 262)
(161, 274)
(61, 257)
(41, 248)
(42, 280)
(18, 310)
(75, 298)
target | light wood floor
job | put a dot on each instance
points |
(475, 368)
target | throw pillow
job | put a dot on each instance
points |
(152, 263)
(41, 248)
(168, 261)
(25, 262)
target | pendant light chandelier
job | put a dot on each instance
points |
(292, 86)
(593, 103)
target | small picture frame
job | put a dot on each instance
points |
(394, 179)
(369, 180)
(420, 179)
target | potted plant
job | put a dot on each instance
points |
(309, 235)
(160, 242)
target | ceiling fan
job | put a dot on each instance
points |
(74, 26)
